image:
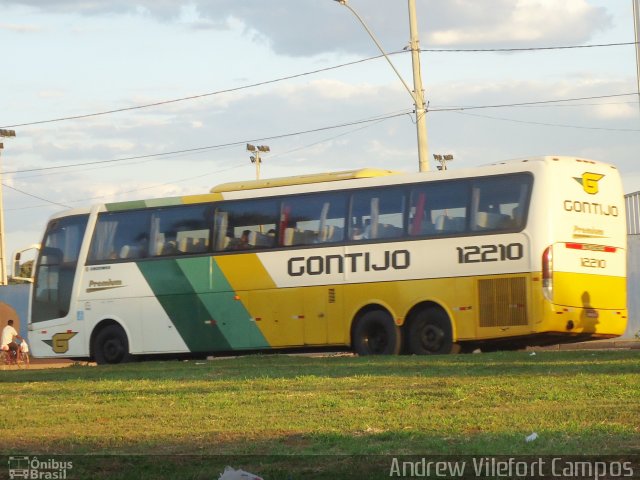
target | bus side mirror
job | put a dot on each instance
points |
(16, 262)
(25, 271)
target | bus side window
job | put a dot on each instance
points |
(180, 230)
(438, 208)
(499, 203)
(116, 230)
(313, 219)
(245, 225)
(377, 214)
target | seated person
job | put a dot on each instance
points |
(241, 243)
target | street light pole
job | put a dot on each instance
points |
(443, 159)
(255, 158)
(417, 94)
(3, 260)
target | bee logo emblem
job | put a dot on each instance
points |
(589, 182)
(60, 341)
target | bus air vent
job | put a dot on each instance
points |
(503, 302)
(332, 295)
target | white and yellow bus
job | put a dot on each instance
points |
(525, 252)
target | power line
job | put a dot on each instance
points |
(219, 146)
(522, 49)
(113, 194)
(312, 72)
(596, 104)
(374, 119)
(225, 145)
(549, 124)
(381, 117)
(195, 97)
(326, 139)
(35, 196)
(155, 186)
(521, 104)
(201, 175)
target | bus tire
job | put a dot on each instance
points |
(111, 346)
(430, 333)
(376, 334)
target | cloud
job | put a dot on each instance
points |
(617, 111)
(51, 94)
(20, 28)
(312, 27)
(522, 22)
(285, 108)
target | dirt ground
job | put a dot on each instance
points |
(43, 363)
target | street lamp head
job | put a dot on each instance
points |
(264, 148)
(7, 133)
(250, 148)
(341, 2)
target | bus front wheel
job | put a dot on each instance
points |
(376, 334)
(430, 333)
(111, 346)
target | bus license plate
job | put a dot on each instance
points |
(592, 314)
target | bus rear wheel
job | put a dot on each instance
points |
(376, 334)
(111, 346)
(430, 333)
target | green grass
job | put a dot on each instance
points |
(579, 403)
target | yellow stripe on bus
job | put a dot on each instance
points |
(245, 272)
(207, 197)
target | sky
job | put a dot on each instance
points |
(304, 78)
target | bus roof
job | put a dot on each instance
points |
(303, 179)
(250, 188)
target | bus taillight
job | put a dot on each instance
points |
(547, 273)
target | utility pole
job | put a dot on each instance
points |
(417, 95)
(636, 28)
(255, 158)
(3, 260)
(421, 110)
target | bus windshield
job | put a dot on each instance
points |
(57, 268)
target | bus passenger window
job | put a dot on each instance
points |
(180, 230)
(245, 225)
(120, 235)
(438, 208)
(377, 214)
(499, 203)
(313, 219)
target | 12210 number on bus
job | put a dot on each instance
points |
(490, 253)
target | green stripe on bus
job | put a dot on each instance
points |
(136, 204)
(119, 206)
(200, 302)
(183, 306)
(215, 292)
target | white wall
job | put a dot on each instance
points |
(633, 286)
